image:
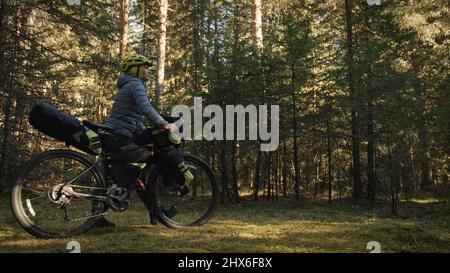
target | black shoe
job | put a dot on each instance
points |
(102, 222)
(169, 211)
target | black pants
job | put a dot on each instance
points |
(121, 151)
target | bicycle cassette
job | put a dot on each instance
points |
(60, 195)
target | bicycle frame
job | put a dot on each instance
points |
(152, 160)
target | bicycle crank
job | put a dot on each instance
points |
(118, 198)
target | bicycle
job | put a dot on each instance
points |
(62, 193)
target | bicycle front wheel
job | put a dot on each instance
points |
(194, 203)
(51, 196)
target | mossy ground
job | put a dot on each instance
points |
(423, 225)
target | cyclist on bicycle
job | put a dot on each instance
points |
(130, 106)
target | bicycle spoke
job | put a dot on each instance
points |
(85, 187)
(75, 178)
(35, 198)
(35, 191)
(195, 202)
(48, 208)
(194, 210)
(88, 217)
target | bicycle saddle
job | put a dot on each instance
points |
(95, 127)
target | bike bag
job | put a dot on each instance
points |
(47, 119)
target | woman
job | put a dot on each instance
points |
(130, 106)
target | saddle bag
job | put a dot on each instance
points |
(59, 125)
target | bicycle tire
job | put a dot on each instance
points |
(16, 199)
(214, 195)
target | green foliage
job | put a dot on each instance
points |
(68, 55)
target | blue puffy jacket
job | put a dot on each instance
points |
(130, 106)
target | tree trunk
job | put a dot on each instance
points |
(144, 39)
(357, 184)
(394, 204)
(257, 37)
(212, 155)
(5, 137)
(264, 174)
(424, 157)
(277, 174)
(196, 48)
(294, 125)
(257, 34)
(330, 177)
(223, 157)
(235, 185)
(371, 186)
(285, 169)
(10, 102)
(307, 175)
(317, 169)
(3, 35)
(3, 80)
(161, 51)
(123, 36)
(339, 178)
(268, 175)
(257, 177)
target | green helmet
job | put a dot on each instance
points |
(134, 60)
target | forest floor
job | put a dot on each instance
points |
(423, 225)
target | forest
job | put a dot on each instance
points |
(362, 90)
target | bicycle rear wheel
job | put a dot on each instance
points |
(41, 196)
(196, 202)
